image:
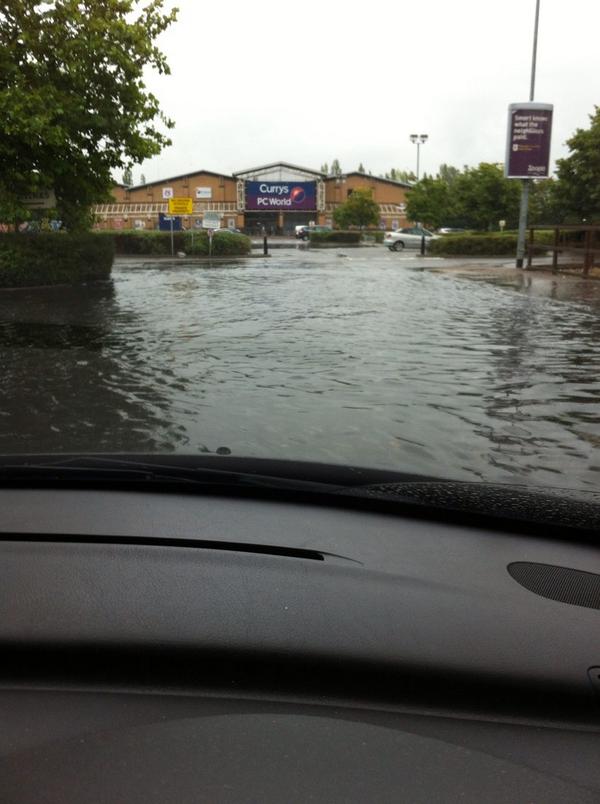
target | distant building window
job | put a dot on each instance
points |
(349, 193)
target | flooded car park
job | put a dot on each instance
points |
(314, 355)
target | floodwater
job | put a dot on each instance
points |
(353, 356)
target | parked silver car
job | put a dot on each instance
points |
(409, 237)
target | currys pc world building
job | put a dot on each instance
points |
(277, 197)
(289, 196)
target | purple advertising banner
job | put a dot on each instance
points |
(528, 141)
(287, 196)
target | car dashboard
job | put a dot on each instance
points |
(185, 647)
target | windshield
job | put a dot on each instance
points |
(169, 285)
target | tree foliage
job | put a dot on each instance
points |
(359, 210)
(73, 103)
(484, 197)
(578, 189)
(545, 205)
(406, 176)
(474, 198)
(449, 174)
(430, 202)
(336, 168)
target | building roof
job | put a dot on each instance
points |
(261, 168)
(369, 176)
(271, 165)
(189, 174)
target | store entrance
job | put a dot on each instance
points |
(271, 221)
(254, 222)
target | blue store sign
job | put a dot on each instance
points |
(284, 196)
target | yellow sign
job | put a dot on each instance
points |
(181, 206)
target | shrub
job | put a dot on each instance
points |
(544, 236)
(154, 243)
(481, 245)
(144, 242)
(58, 258)
(336, 236)
(373, 235)
(225, 244)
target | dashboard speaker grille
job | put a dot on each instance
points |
(562, 584)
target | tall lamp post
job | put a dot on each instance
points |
(525, 185)
(418, 140)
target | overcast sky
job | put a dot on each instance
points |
(263, 81)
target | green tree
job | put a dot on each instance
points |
(578, 188)
(407, 176)
(336, 168)
(74, 107)
(325, 168)
(475, 198)
(482, 197)
(359, 210)
(430, 202)
(448, 174)
(142, 179)
(128, 177)
(545, 204)
(361, 168)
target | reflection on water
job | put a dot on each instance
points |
(62, 386)
(310, 356)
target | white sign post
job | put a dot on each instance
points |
(167, 195)
(211, 221)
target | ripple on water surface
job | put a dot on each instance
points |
(362, 360)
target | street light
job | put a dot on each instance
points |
(418, 140)
(525, 186)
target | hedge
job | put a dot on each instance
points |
(481, 245)
(336, 236)
(156, 243)
(224, 244)
(374, 234)
(140, 242)
(57, 258)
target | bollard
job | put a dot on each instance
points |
(422, 245)
(265, 246)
